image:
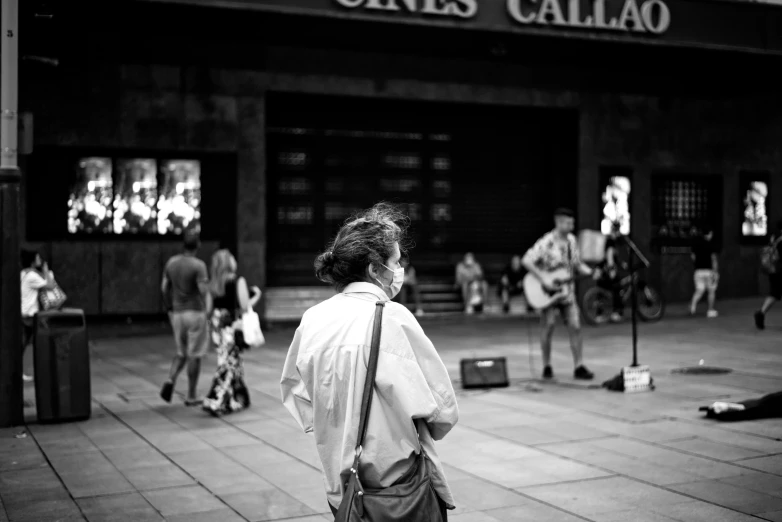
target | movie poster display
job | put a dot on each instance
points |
(135, 196)
(179, 206)
(90, 200)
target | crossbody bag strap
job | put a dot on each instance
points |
(369, 383)
(571, 266)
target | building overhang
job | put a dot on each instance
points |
(754, 27)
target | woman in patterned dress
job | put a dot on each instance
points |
(231, 296)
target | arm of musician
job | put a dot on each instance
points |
(715, 263)
(530, 262)
(576, 258)
(585, 269)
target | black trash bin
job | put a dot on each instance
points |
(63, 389)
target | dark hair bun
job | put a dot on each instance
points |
(324, 266)
(369, 237)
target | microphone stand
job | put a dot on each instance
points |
(634, 253)
(634, 372)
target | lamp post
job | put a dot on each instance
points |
(11, 392)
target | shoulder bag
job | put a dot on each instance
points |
(412, 498)
(50, 298)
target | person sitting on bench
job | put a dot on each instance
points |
(410, 287)
(470, 279)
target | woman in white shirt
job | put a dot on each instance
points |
(35, 276)
(326, 367)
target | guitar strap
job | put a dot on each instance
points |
(570, 259)
(571, 266)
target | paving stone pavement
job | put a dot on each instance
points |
(567, 452)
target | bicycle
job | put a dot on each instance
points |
(597, 303)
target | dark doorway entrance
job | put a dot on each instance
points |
(472, 177)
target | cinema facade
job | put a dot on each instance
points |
(270, 121)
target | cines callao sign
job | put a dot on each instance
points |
(638, 16)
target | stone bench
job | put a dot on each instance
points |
(288, 304)
(285, 304)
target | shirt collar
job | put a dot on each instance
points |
(366, 288)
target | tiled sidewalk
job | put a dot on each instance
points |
(564, 453)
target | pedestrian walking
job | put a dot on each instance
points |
(332, 357)
(231, 298)
(706, 275)
(186, 294)
(772, 264)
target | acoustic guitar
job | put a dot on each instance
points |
(538, 297)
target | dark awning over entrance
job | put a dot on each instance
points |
(473, 178)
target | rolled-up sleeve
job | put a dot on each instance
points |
(534, 254)
(429, 374)
(293, 389)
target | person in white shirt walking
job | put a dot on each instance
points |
(35, 277)
(324, 373)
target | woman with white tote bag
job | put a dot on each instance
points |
(235, 328)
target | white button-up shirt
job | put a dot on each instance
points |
(323, 381)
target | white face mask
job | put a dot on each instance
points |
(396, 283)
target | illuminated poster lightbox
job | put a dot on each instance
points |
(755, 218)
(179, 206)
(134, 196)
(616, 204)
(90, 200)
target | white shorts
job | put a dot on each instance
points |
(706, 280)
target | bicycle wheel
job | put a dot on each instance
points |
(596, 306)
(651, 305)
